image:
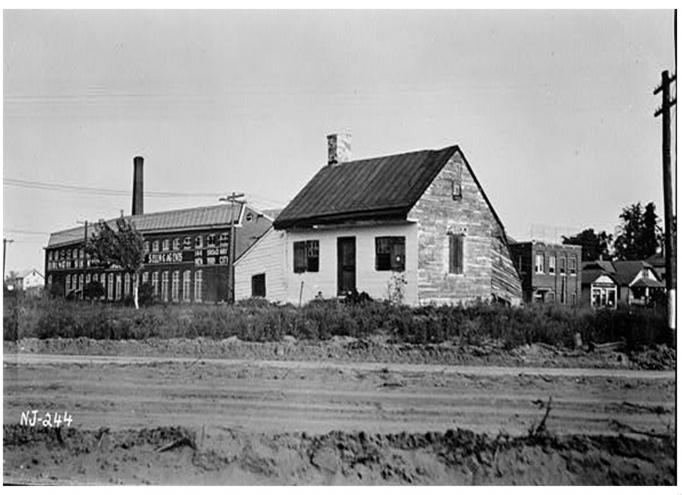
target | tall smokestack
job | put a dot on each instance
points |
(138, 186)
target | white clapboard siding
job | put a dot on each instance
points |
(265, 256)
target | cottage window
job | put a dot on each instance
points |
(198, 286)
(187, 243)
(176, 244)
(571, 266)
(552, 265)
(539, 263)
(456, 258)
(562, 266)
(390, 253)
(306, 256)
(258, 285)
(186, 281)
(456, 189)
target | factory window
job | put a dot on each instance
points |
(390, 253)
(187, 243)
(110, 286)
(81, 253)
(126, 285)
(146, 246)
(186, 281)
(176, 244)
(539, 263)
(175, 286)
(119, 283)
(155, 246)
(224, 238)
(199, 242)
(552, 265)
(155, 283)
(74, 254)
(49, 280)
(164, 286)
(562, 266)
(87, 279)
(80, 282)
(49, 255)
(571, 266)
(210, 240)
(145, 277)
(198, 286)
(258, 285)
(68, 284)
(306, 256)
(166, 245)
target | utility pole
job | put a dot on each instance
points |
(668, 209)
(233, 199)
(4, 255)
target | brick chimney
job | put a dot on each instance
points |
(338, 148)
(138, 186)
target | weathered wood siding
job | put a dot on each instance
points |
(266, 256)
(487, 267)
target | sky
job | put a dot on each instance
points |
(553, 109)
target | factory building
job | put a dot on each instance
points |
(187, 251)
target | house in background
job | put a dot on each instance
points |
(30, 281)
(550, 273)
(416, 223)
(600, 289)
(657, 261)
(637, 281)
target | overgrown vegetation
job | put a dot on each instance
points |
(258, 320)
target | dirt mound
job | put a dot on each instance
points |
(180, 456)
(353, 350)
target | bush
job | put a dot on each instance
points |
(259, 320)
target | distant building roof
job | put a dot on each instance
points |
(623, 272)
(188, 218)
(385, 187)
(589, 276)
(626, 271)
(26, 273)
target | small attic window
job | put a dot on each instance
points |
(249, 217)
(456, 189)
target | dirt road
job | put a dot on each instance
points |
(315, 397)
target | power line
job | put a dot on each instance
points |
(51, 186)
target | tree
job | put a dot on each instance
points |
(93, 290)
(594, 245)
(121, 248)
(638, 234)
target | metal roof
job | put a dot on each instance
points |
(189, 218)
(362, 189)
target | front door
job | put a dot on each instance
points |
(346, 264)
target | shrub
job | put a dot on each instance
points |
(259, 320)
